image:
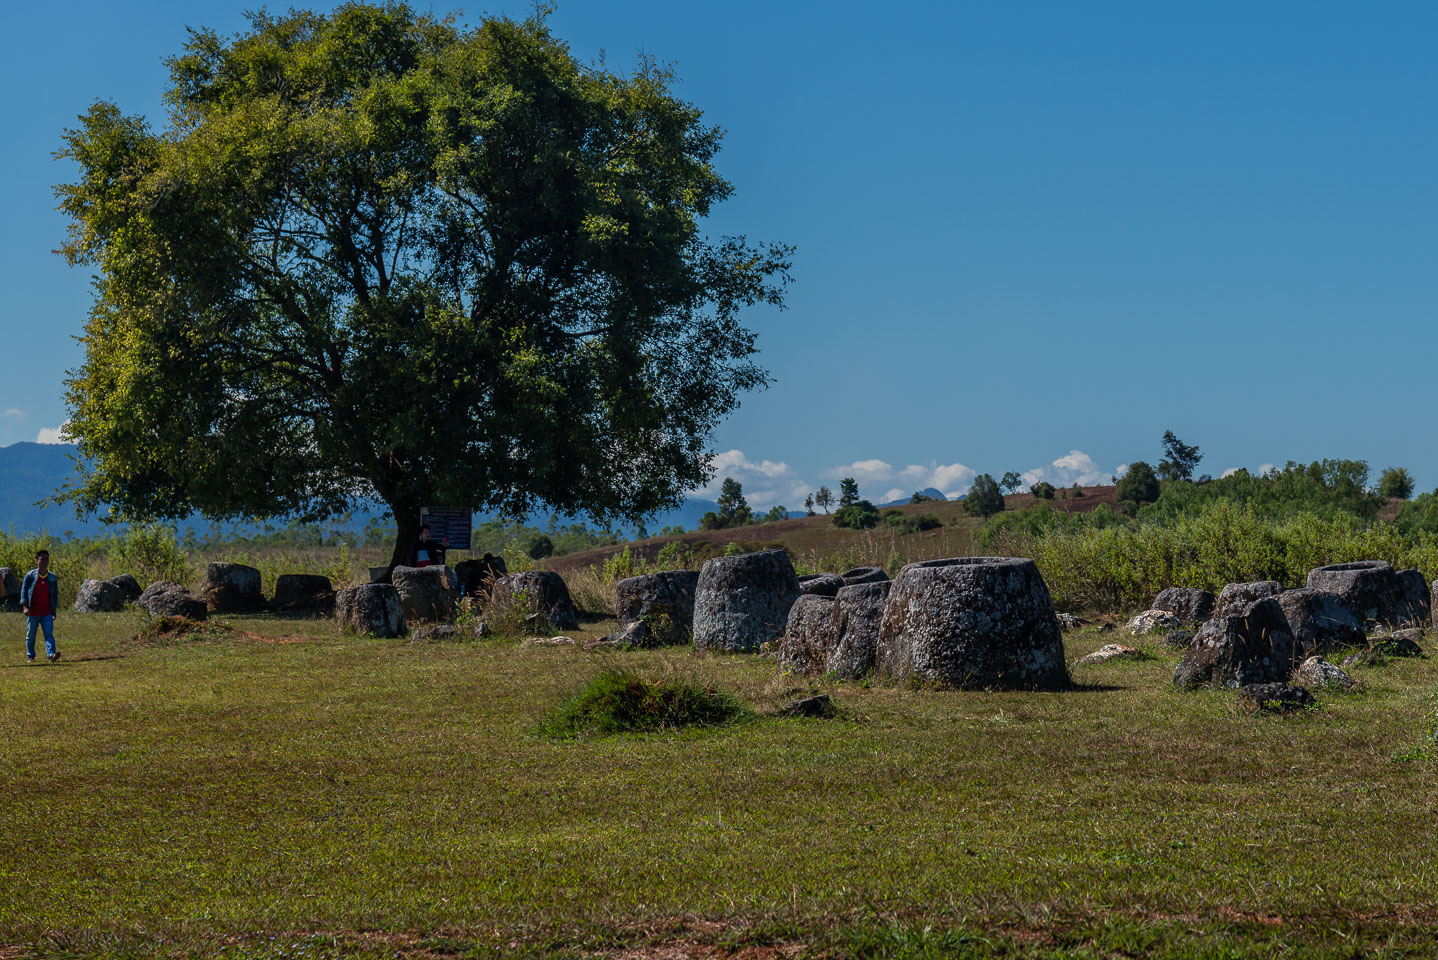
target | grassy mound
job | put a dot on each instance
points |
(617, 701)
(168, 630)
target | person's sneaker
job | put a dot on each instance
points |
(30, 660)
(52, 657)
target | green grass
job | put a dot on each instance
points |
(362, 797)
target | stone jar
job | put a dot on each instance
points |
(664, 601)
(742, 602)
(972, 622)
(373, 609)
(858, 611)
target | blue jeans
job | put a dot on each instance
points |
(47, 623)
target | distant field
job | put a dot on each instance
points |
(311, 796)
(816, 541)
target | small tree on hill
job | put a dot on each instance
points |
(809, 505)
(984, 499)
(848, 492)
(1011, 481)
(921, 498)
(776, 513)
(1179, 459)
(733, 508)
(1043, 490)
(824, 497)
(1395, 483)
(1139, 485)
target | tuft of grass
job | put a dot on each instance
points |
(618, 701)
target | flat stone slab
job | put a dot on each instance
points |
(1107, 652)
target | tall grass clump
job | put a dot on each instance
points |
(617, 701)
(592, 588)
(72, 563)
(150, 553)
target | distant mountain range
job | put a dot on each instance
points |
(31, 472)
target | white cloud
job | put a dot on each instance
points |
(1073, 467)
(766, 482)
(770, 482)
(952, 478)
(1263, 468)
(14, 414)
(52, 434)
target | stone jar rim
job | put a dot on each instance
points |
(1354, 566)
(990, 562)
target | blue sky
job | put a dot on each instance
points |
(1031, 236)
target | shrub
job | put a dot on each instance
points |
(984, 499)
(538, 547)
(1098, 561)
(617, 701)
(1395, 483)
(151, 553)
(511, 618)
(857, 516)
(1139, 485)
(1043, 490)
(904, 523)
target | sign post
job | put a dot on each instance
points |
(448, 524)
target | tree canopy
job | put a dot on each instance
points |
(373, 256)
(1179, 458)
(984, 499)
(1139, 485)
(1396, 483)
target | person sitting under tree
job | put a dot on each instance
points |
(428, 550)
(38, 601)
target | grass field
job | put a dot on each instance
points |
(298, 794)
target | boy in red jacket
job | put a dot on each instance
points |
(39, 596)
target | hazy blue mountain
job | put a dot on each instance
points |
(927, 491)
(30, 472)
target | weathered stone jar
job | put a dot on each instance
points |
(972, 622)
(232, 588)
(1372, 589)
(544, 589)
(664, 601)
(742, 602)
(858, 612)
(809, 634)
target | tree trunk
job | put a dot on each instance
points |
(406, 535)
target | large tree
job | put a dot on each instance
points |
(374, 256)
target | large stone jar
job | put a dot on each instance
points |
(664, 601)
(1370, 588)
(370, 608)
(972, 622)
(742, 602)
(232, 588)
(858, 612)
(542, 590)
